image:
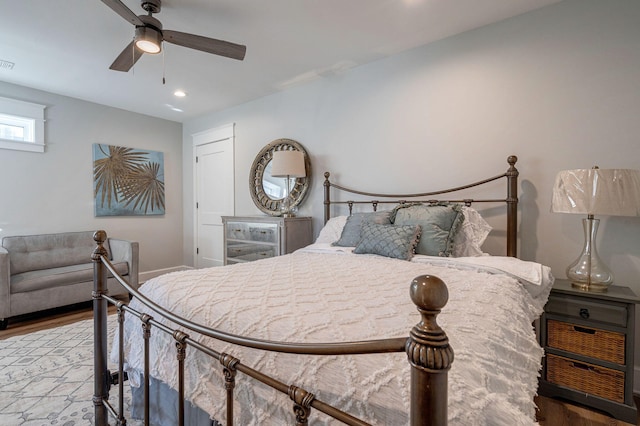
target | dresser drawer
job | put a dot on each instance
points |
(246, 252)
(582, 308)
(588, 341)
(259, 232)
(588, 378)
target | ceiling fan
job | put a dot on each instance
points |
(149, 36)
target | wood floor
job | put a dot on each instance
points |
(49, 319)
(551, 412)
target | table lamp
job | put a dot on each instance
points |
(595, 191)
(288, 164)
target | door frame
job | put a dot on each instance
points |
(204, 137)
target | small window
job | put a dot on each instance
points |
(21, 125)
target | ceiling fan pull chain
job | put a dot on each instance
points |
(163, 68)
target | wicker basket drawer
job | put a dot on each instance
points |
(589, 378)
(592, 342)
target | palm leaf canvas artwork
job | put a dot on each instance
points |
(127, 181)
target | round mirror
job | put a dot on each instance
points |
(268, 192)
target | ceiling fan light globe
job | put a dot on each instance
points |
(147, 46)
(148, 40)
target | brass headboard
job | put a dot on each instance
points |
(511, 200)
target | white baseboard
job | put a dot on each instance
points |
(144, 276)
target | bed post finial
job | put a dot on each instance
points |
(512, 207)
(327, 197)
(429, 353)
(101, 374)
(99, 237)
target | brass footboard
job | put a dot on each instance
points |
(427, 349)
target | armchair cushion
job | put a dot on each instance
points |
(54, 277)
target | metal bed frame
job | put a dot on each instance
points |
(512, 199)
(427, 347)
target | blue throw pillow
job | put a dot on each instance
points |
(352, 228)
(388, 240)
(439, 222)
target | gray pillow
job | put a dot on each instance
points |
(439, 222)
(388, 240)
(352, 228)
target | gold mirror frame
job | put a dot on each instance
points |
(300, 187)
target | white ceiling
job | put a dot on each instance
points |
(66, 46)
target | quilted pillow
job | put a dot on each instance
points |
(439, 222)
(351, 231)
(388, 240)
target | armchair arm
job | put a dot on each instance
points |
(5, 283)
(127, 251)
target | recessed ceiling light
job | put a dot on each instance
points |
(180, 93)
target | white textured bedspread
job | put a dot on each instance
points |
(327, 297)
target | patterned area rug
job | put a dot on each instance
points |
(46, 377)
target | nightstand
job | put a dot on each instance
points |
(588, 343)
(248, 238)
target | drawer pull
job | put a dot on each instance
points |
(584, 313)
(263, 232)
(584, 330)
(583, 366)
(237, 230)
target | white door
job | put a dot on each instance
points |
(214, 195)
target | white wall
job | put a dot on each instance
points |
(53, 191)
(558, 87)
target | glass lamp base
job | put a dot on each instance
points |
(286, 210)
(285, 204)
(589, 272)
(593, 287)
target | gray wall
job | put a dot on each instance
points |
(53, 191)
(559, 87)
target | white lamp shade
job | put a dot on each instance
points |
(612, 192)
(288, 164)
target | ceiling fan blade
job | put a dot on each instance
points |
(126, 58)
(205, 44)
(118, 7)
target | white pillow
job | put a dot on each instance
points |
(472, 234)
(332, 230)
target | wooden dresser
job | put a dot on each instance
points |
(248, 238)
(588, 340)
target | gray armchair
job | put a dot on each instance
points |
(45, 271)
